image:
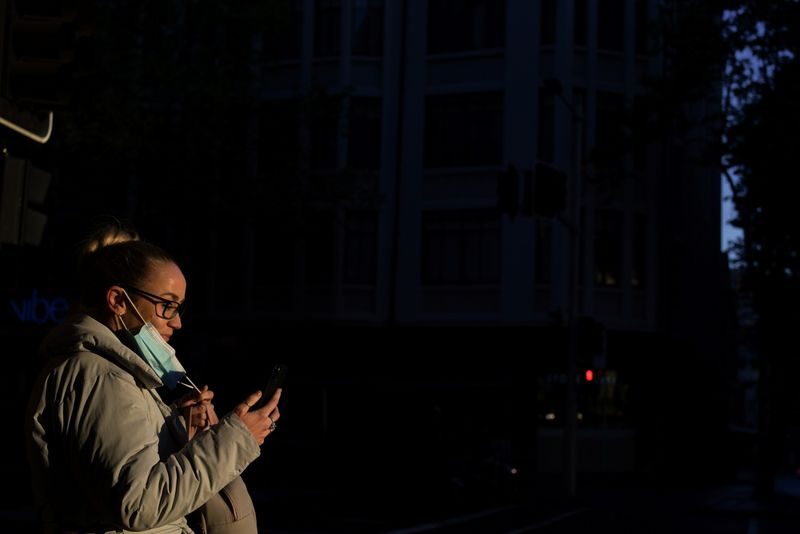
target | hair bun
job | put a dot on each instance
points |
(108, 231)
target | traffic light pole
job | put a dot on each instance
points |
(573, 225)
(571, 404)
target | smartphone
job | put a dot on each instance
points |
(276, 379)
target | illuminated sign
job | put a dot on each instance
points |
(35, 309)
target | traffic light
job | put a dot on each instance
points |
(42, 45)
(24, 188)
(545, 191)
(508, 192)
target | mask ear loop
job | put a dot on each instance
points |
(190, 385)
(139, 315)
(121, 320)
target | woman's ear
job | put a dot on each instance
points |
(116, 302)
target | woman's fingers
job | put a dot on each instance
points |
(272, 403)
(244, 407)
(260, 422)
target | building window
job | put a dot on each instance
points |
(608, 248)
(278, 141)
(642, 27)
(611, 25)
(323, 121)
(543, 252)
(228, 284)
(547, 22)
(274, 264)
(464, 129)
(320, 248)
(581, 23)
(547, 125)
(465, 25)
(579, 134)
(368, 28)
(364, 133)
(282, 41)
(360, 247)
(460, 247)
(327, 28)
(609, 149)
(639, 271)
(640, 118)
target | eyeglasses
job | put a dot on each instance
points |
(165, 308)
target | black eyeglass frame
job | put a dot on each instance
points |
(169, 309)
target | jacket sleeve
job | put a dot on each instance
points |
(177, 424)
(116, 449)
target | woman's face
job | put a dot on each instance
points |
(166, 281)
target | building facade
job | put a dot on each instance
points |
(404, 114)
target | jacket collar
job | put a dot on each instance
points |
(84, 333)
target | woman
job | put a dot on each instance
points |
(106, 453)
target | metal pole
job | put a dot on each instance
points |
(573, 225)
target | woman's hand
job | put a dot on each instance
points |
(261, 422)
(198, 410)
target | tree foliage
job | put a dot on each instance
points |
(762, 112)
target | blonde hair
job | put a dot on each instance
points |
(114, 254)
(108, 231)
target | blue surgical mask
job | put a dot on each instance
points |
(156, 352)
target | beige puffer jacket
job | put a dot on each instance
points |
(103, 458)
